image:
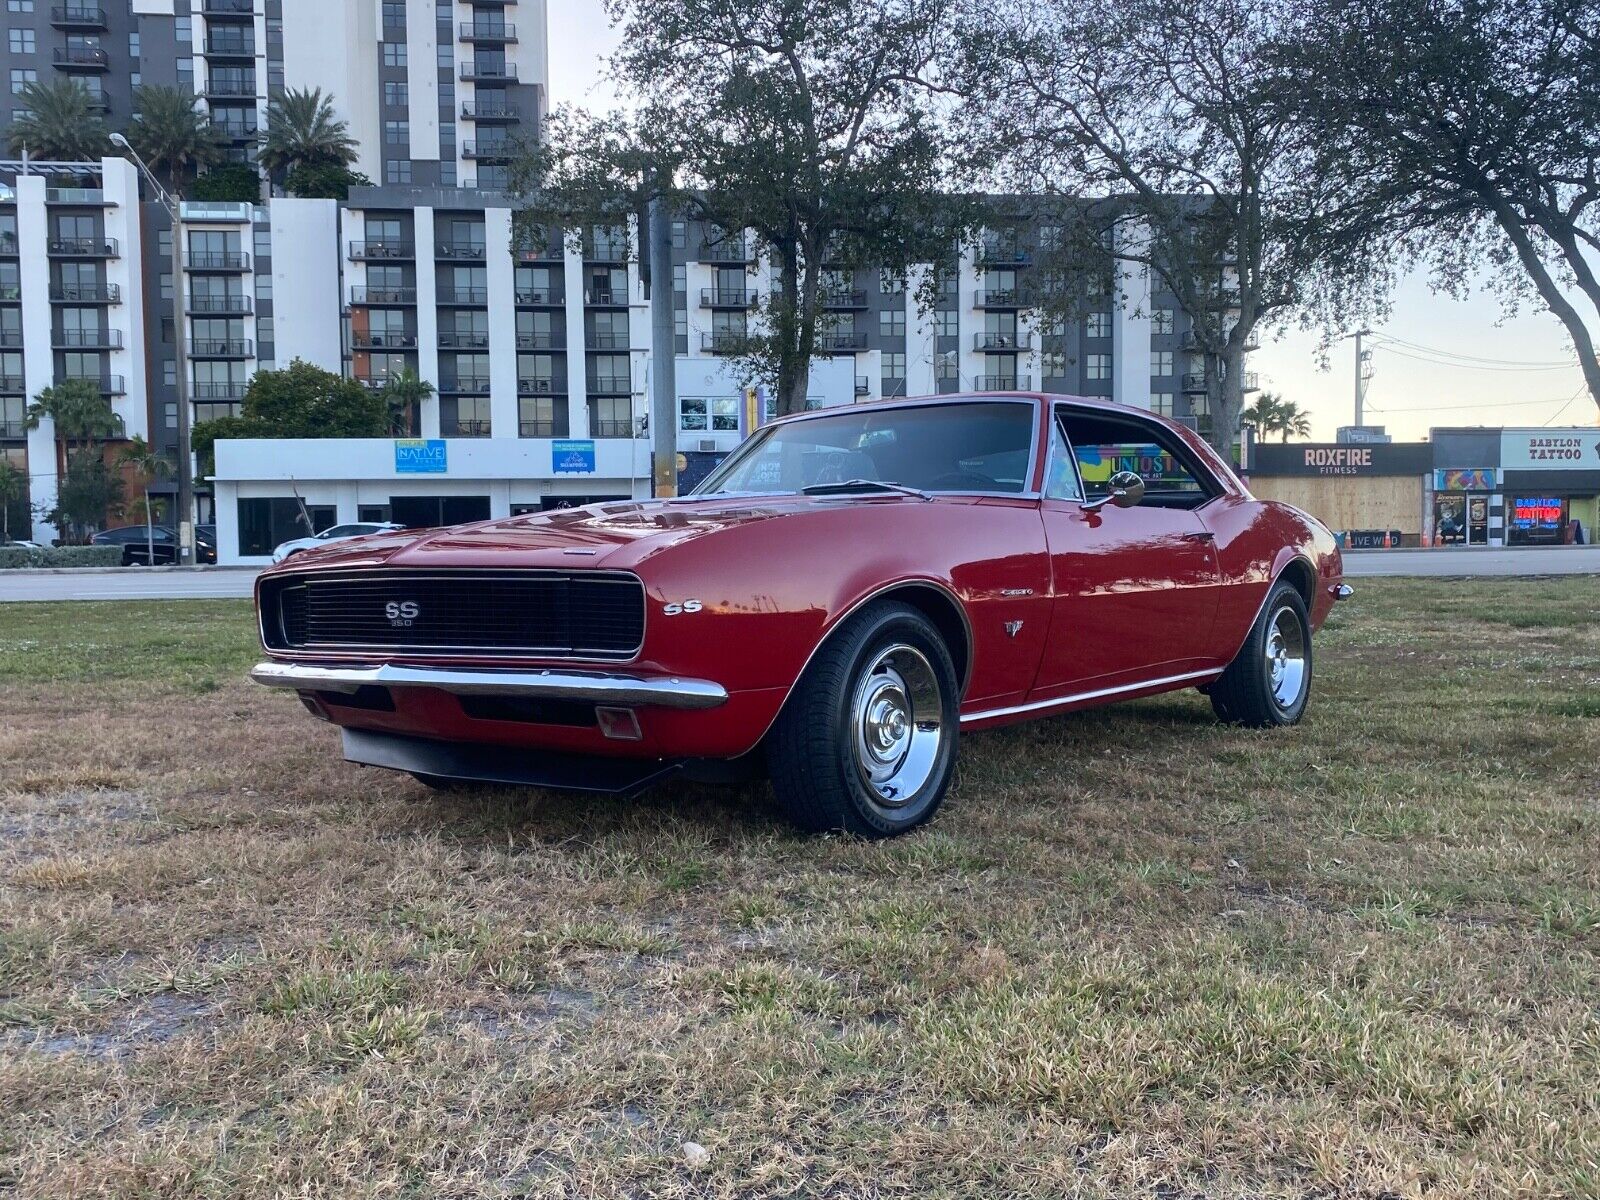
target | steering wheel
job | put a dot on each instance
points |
(964, 481)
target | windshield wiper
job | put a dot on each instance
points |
(862, 485)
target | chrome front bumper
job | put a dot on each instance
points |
(547, 685)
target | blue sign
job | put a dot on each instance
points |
(572, 457)
(420, 456)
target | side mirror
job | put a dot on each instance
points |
(1126, 490)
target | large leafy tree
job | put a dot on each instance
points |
(303, 130)
(1465, 134)
(299, 401)
(173, 135)
(1173, 115)
(805, 121)
(59, 121)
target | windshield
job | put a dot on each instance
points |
(984, 446)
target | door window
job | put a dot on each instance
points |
(1104, 446)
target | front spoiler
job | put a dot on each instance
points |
(593, 687)
(505, 764)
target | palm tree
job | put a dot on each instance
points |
(173, 136)
(303, 130)
(151, 464)
(1293, 420)
(59, 121)
(405, 391)
(82, 415)
(13, 490)
(1264, 414)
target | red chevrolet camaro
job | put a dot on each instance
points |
(850, 591)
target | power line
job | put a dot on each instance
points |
(1582, 388)
(1448, 408)
(1476, 358)
(1475, 366)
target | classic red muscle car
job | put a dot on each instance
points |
(851, 590)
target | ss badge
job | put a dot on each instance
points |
(402, 612)
(688, 606)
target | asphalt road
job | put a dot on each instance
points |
(218, 583)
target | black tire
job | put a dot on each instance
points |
(1255, 692)
(882, 678)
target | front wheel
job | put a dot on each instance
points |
(1269, 682)
(866, 742)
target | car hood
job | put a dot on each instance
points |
(618, 535)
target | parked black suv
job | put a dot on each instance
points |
(137, 542)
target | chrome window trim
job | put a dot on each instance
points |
(1175, 446)
(292, 579)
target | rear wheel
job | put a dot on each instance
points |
(1269, 682)
(866, 742)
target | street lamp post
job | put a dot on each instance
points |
(174, 209)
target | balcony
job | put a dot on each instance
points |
(729, 250)
(230, 306)
(726, 298)
(105, 293)
(465, 385)
(603, 427)
(230, 89)
(453, 340)
(548, 340)
(537, 385)
(1194, 383)
(1002, 298)
(377, 249)
(228, 8)
(842, 343)
(483, 72)
(109, 385)
(84, 339)
(230, 47)
(383, 341)
(1252, 382)
(469, 251)
(844, 298)
(496, 149)
(1003, 343)
(863, 385)
(723, 343)
(383, 295)
(77, 196)
(10, 339)
(82, 58)
(10, 293)
(609, 340)
(466, 297)
(227, 392)
(538, 298)
(606, 298)
(12, 431)
(8, 244)
(610, 385)
(84, 248)
(542, 429)
(487, 113)
(221, 348)
(1002, 254)
(77, 16)
(497, 33)
(606, 250)
(217, 260)
(1002, 383)
(12, 384)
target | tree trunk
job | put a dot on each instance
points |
(797, 341)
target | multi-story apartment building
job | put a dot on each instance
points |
(539, 356)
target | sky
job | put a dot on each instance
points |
(1406, 395)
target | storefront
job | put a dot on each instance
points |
(1371, 493)
(1551, 480)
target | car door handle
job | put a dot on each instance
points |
(1204, 535)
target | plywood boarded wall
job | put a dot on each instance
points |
(1343, 502)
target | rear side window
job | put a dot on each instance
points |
(1103, 446)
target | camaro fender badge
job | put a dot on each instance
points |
(1013, 628)
(402, 613)
(688, 606)
(1016, 591)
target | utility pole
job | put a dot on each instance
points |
(1363, 376)
(663, 353)
(174, 208)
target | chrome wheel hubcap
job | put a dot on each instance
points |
(1286, 657)
(897, 724)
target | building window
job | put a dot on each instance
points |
(397, 133)
(1054, 364)
(262, 240)
(396, 94)
(1161, 403)
(183, 30)
(21, 77)
(894, 374)
(397, 170)
(1098, 325)
(947, 323)
(680, 279)
(133, 44)
(1161, 362)
(263, 286)
(394, 13)
(892, 322)
(447, 174)
(1049, 237)
(719, 414)
(21, 41)
(947, 365)
(394, 54)
(19, 5)
(891, 283)
(444, 55)
(680, 234)
(1097, 366)
(1161, 320)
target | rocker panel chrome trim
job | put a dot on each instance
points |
(1080, 697)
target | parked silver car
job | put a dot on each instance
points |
(338, 533)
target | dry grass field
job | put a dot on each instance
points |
(1137, 955)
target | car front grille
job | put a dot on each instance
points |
(544, 614)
